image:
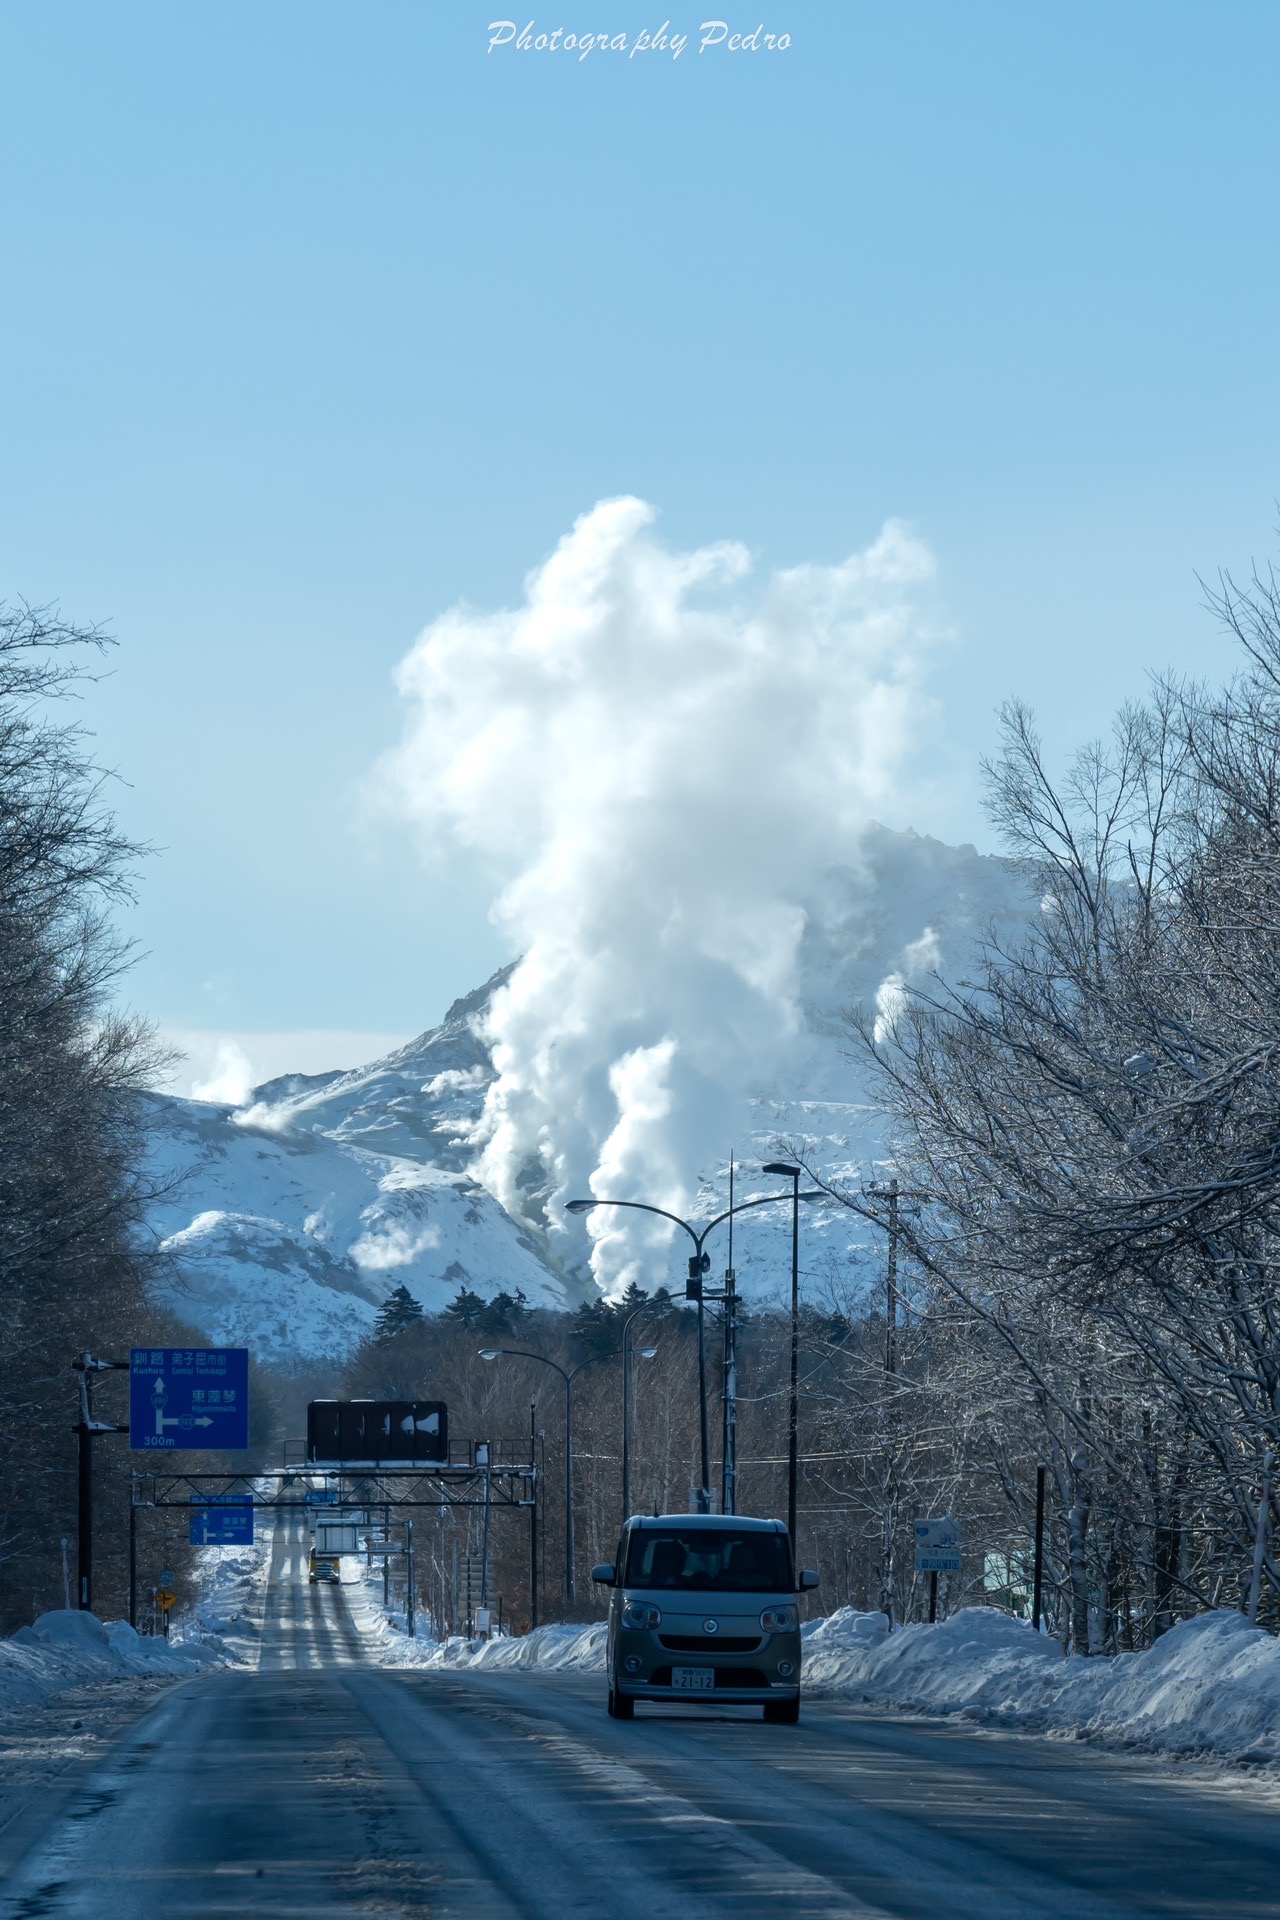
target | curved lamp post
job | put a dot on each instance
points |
(698, 1263)
(519, 1353)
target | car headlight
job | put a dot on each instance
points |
(779, 1620)
(638, 1613)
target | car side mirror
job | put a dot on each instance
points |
(603, 1575)
(809, 1579)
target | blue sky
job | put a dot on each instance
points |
(319, 318)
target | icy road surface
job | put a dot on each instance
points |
(322, 1784)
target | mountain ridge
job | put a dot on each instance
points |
(294, 1215)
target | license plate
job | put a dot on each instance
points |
(693, 1679)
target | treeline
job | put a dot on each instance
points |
(1090, 1125)
(852, 1525)
(75, 1261)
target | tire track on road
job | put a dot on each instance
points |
(564, 1828)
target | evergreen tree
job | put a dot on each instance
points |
(598, 1328)
(503, 1314)
(398, 1311)
(466, 1307)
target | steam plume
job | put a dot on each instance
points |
(659, 756)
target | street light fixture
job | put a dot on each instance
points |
(784, 1170)
(698, 1264)
(519, 1353)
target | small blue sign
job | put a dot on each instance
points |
(320, 1497)
(188, 1397)
(222, 1520)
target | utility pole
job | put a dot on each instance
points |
(786, 1170)
(729, 1446)
(86, 1429)
(893, 1193)
(891, 1300)
(895, 1196)
(1037, 1576)
(729, 1494)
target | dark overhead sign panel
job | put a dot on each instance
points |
(409, 1430)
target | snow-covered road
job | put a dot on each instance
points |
(303, 1625)
(320, 1782)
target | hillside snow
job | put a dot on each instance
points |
(292, 1217)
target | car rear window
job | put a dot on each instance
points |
(709, 1560)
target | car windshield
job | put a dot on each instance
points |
(709, 1560)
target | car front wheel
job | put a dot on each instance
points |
(621, 1705)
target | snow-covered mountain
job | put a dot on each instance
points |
(292, 1217)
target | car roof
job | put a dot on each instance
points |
(739, 1521)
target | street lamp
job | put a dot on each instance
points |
(787, 1172)
(645, 1353)
(519, 1353)
(698, 1264)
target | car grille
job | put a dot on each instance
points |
(708, 1643)
(725, 1677)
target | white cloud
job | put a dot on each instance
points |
(660, 756)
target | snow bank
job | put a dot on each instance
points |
(67, 1649)
(1211, 1686)
(385, 1632)
(561, 1649)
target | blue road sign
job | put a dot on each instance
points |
(321, 1497)
(188, 1397)
(221, 1520)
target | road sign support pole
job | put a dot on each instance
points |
(133, 1566)
(84, 1530)
(533, 1519)
(409, 1594)
(1037, 1577)
(86, 1428)
(933, 1599)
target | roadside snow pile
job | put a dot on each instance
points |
(385, 1631)
(1212, 1685)
(981, 1662)
(562, 1649)
(67, 1649)
(844, 1631)
(225, 1616)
